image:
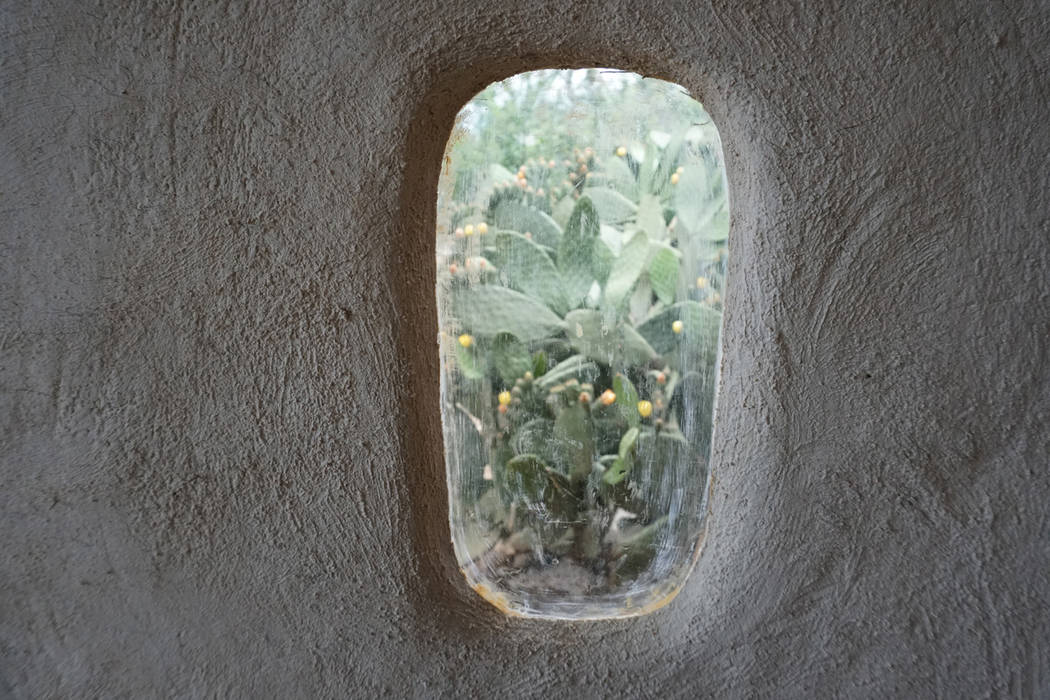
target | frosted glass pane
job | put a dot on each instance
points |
(581, 247)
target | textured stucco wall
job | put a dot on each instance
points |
(221, 460)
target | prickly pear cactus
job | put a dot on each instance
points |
(580, 296)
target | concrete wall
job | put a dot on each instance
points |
(221, 458)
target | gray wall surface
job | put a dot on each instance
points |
(221, 469)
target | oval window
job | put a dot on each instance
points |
(582, 228)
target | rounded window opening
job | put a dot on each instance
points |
(581, 253)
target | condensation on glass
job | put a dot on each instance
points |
(581, 255)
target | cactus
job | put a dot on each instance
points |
(590, 366)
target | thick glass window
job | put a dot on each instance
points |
(581, 249)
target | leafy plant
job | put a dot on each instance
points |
(582, 297)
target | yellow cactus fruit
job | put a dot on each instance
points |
(483, 228)
(674, 179)
(468, 230)
(676, 326)
(504, 398)
(465, 340)
(608, 398)
(621, 151)
(701, 282)
(645, 408)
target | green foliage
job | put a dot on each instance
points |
(469, 363)
(510, 358)
(663, 274)
(525, 266)
(616, 346)
(618, 176)
(627, 402)
(651, 217)
(517, 216)
(612, 207)
(580, 305)
(575, 367)
(574, 440)
(576, 252)
(491, 310)
(697, 342)
(625, 269)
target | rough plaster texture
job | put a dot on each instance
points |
(221, 458)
